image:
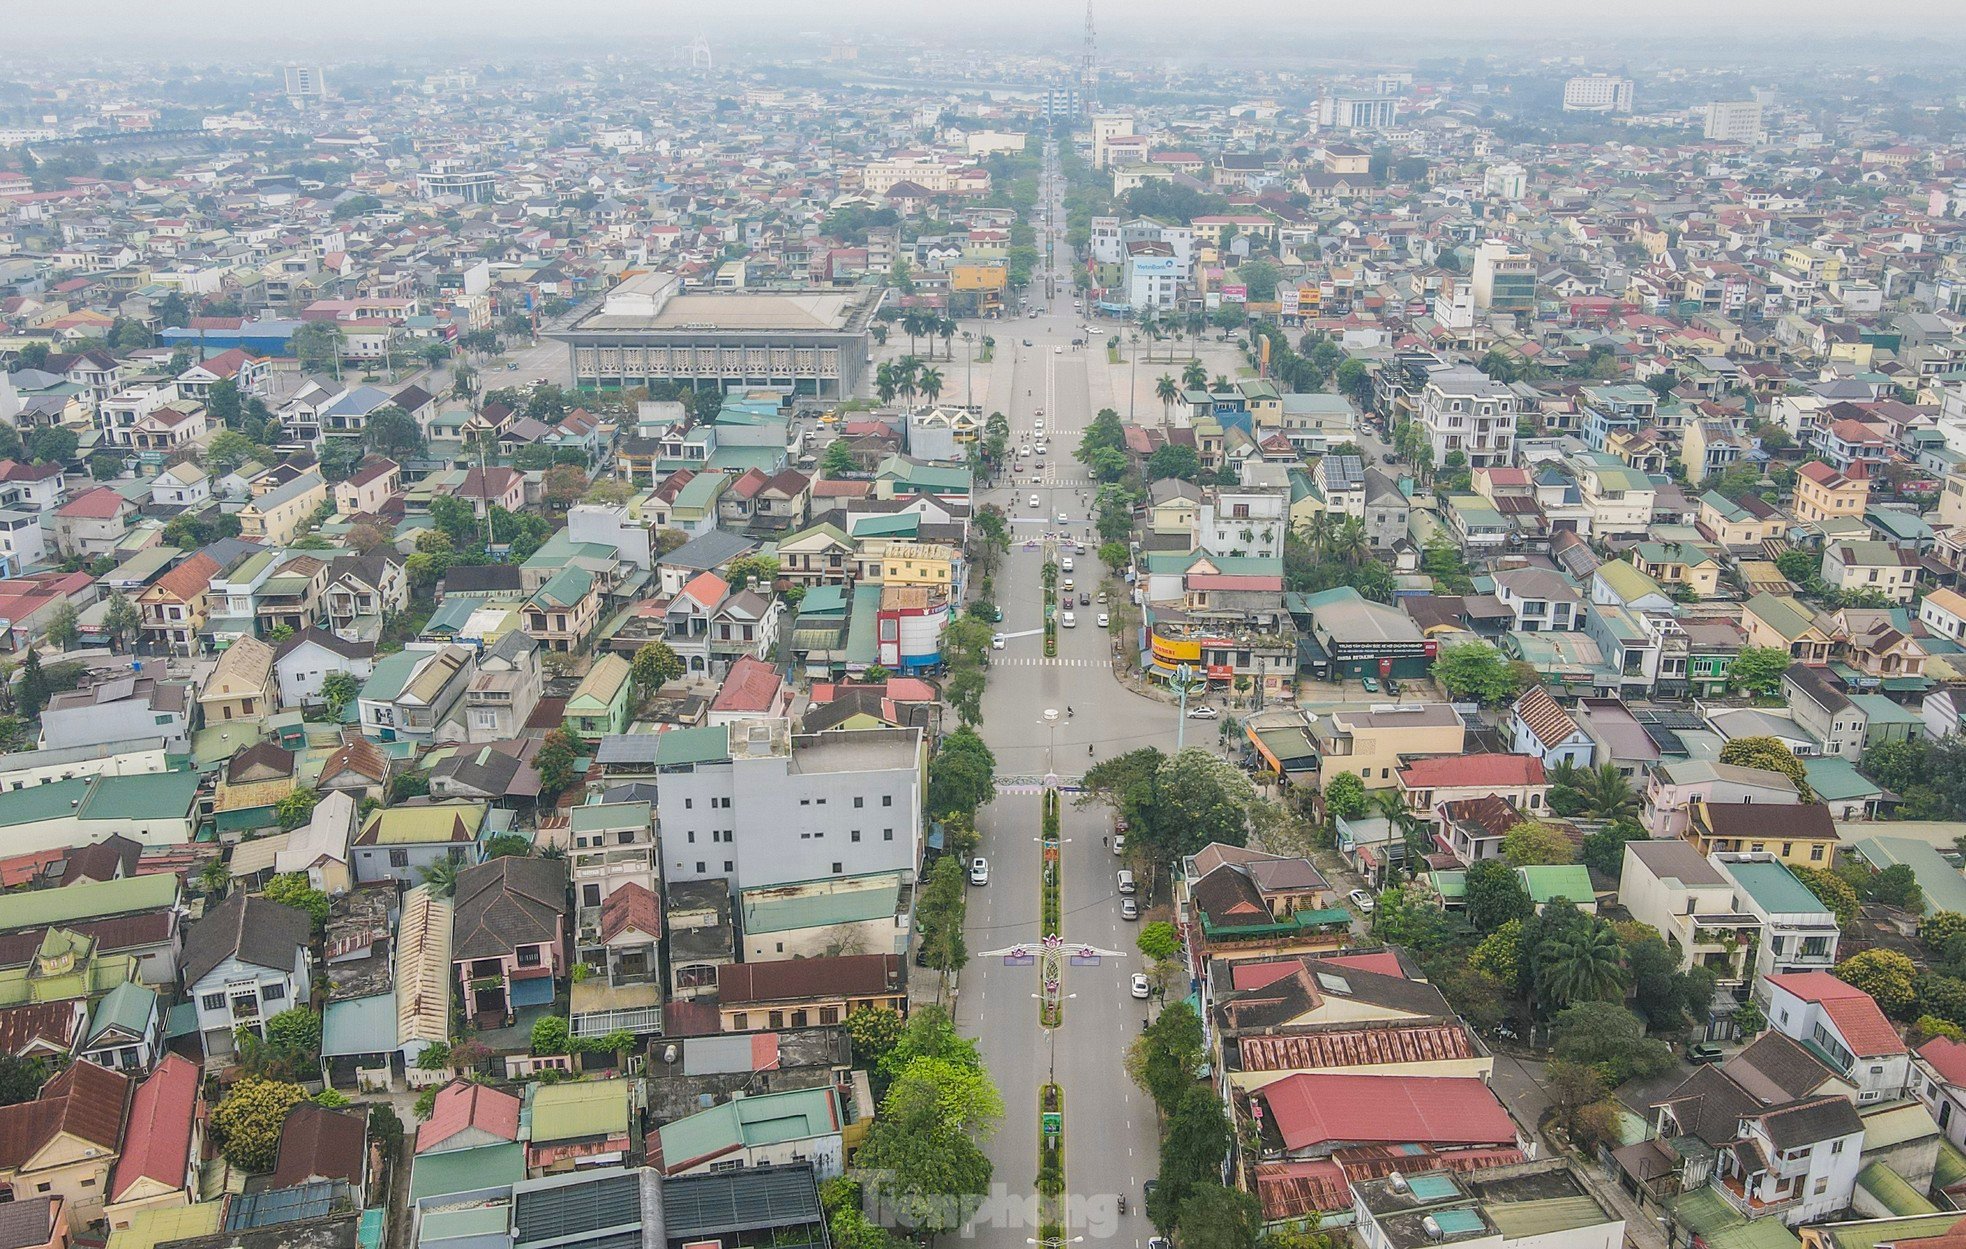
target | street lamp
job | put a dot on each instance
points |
(969, 359)
(1133, 387)
(1183, 683)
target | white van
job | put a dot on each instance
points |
(1125, 879)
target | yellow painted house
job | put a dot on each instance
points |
(929, 564)
(67, 1139)
(275, 518)
(241, 684)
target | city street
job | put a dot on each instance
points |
(1110, 1132)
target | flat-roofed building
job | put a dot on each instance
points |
(649, 330)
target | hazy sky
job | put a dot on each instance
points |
(358, 26)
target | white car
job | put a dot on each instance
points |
(979, 871)
(1119, 844)
(1129, 909)
(1069, 620)
(1065, 564)
(1064, 519)
(1203, 712)
(1034, 501)
(1140, 988)
(1105, 622)
(1057, 351)
(996, 641)
(1362, 900)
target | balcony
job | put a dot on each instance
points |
(1750, 1206)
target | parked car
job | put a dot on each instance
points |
(1203, 712)
(1129, 909)
(1104, 621)
(1140, 986)
(996, 641)
(1362, 900)
(1704, 1052)
(979, 871)
(1119, 844)
(1371, 685)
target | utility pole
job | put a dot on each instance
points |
(1086, 62)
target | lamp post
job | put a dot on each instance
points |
(969, 360)
(1183, 683)
(1133, 387)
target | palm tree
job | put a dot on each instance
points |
(930, 383)
(1167, 390)
(885, 384)
(879, 331)
(1415, 833)
(1606, 793)
(1150, 325)
(1221, 384)
(907, 373)
(1348, 542)
(441, 876)
(1197, 326)
(1319, 533)
(1195, 376)
(1583, 966)
(945, 329)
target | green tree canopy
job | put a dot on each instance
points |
(1475, 670)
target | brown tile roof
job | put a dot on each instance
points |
(50, 1024)
(85, 1101)
(321, 1144)
(1804, 822)
(1545, 718)
(1355, 1047)
(631, 906)
(188, 580)
(797, 980)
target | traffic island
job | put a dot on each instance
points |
(1051, 1165)
(1051, 1002)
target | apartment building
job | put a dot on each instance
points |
(1798, 933)
(757, 805)
(1464, 410)
(1597, 93)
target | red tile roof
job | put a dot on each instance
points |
(1385, 962)
(631, 907)
(1369, 1045)
(1947, 1057)
(158, 1145)
(465, 1104)
(1855, 1013)
(1293, 1190)
(750, 685)
(189, 579)
(1466, 771)
(1311, 1109)
(98, 504)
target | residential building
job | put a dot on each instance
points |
(1801, 835)
(1734, 121)
(1372, 744)
(795, 1125)
(802, 993)
(411, 694)
(397, 843)
(1597, 93)
(1677, 890)
(758, 805)
(1843, 1026)
(1463, 410)
(246, 961)
(241, 684)
(509, 936)
(275, 518)
(173, 606)
(1798, 933)
(504, 690)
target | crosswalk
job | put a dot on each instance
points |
(1041, 662)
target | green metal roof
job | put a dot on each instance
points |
(1835, 778)
(36, 908)
(390, 675)
(1706, 1214)
(765, 913)
(360, 1025)
(467, 1170)
(1869, 1233)
(1548, 882)
(1944, 888)
(824, 600)
(1775, 888)
(797, 1114)
(705, 745)
(1628, 581)
(128, 1006)
(1891, 1190)
(156, 795)
(862, 625)
(566, 588)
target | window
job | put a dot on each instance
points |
(887, 800)
(729, 866)
(1816, 854)
(212, 1001)
(858, 802)
(740, 1021)
(688, 803)
(855, 835)
(887, 834)
(831, 1015)
(399, 858)
(273, 991)
(692, 837)
(777, 1019)
(838, 867)
(699, 867)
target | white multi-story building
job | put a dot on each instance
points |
(1153, 276)
(306, 82)
(1107, 126)
(1465, 410)
(1243, 522)
(1597, 93)
(1734, 121)
(1842, 1025)
(1508, 181)
(1798, 933)
(754, 804)
(1357, 112)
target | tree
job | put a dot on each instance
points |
(1582, 965)
(1758, 669)
(654, 666)
(1174, 460)
(926, 1171)
(297, 1031)
(961, 776)
(1662, 993)
(441, 877)
(1768, 754)
(1475, 670)
(248, 1121)
(565, 483)
(1499, 952)
(550, 1035)
(296, 808)
(52, 445)
(292, 889)
(338, 689)
(1581, 1105)
(64, 628)
(1609, 1037)
(838, 460)
(555, 761)
(1602, 793)
(1533, 842)
(1215, 1217)
(20, 1078)
(509, 846)
(1495, 896)
(873, 1030)
(1192, 1147)
(1199, 798)
(1344, 797)
(1888, 976)
(1896, 885)
(1159, 942)
(1832, 891)
(365, 538)
(1604, 851)
(121, 617)
(940, 915)
(964, 693)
